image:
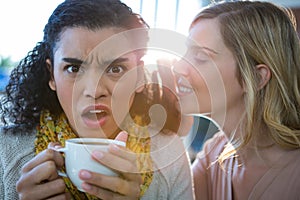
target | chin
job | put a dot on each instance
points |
(94, 133)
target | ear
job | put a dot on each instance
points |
(51, 83)
(140, 83)
(264, 75)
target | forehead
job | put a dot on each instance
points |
(108, 43)
(206, 33)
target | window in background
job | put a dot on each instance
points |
(167, 14)
(172, 15)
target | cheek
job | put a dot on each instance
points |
(233, 89)
(122, 98)
(65, 95)
(203, 83)
(212, 85)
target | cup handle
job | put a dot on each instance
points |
(60, 173)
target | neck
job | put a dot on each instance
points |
(228, 122)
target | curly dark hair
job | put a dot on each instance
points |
(28, 92)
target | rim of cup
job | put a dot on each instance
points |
(76, 141)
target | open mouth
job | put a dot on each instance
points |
(182, 87)
(94, 114)
(184, 90)
(94, 117)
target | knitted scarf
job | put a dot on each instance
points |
(56, 129)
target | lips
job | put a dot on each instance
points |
(95, 116)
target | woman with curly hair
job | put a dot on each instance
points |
(86, 79)
(243, 65)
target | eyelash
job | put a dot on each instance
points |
(110, 69)
(70, 67)
(197, 56)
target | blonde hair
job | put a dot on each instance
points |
(263, 33)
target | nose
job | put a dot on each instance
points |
(95, 86)
(181, 67)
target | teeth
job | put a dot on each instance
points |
(183, 89)
(96, 111)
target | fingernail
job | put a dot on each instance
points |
(85, 174)
(98, 154)
(86, 186)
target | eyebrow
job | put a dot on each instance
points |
(107, 62)
(73, 61)
(192, 45)
(117, 60)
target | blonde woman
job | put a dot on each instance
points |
(243, 66)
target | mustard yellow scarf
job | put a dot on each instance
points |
(56, 129)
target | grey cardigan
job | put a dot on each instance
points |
(172, 178)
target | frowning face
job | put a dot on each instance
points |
(94, 80)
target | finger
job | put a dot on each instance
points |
(46, 171)
(166, 74)
(61, 197)
(117, 158)
(126, 169)
(52, 188)
(122, 136)
(54, 145)
(43, 173)
(155, 87)
(115, 184)
(122, 152)
(154, 77)
(43, 191)
(46, 155)
(164, 69)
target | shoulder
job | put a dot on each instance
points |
(172, 177)
(203, 167)
(212, 148)
(167, 149)
(16, 135)
(15, 150)
(169, 157)
(14, 142)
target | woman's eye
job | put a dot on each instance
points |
(115, 69)
(198, 56)
(201, 56)
(73, 69)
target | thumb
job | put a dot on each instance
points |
(122, 136)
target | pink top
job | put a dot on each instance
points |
(281, 181)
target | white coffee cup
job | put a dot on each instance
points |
(78, 156)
